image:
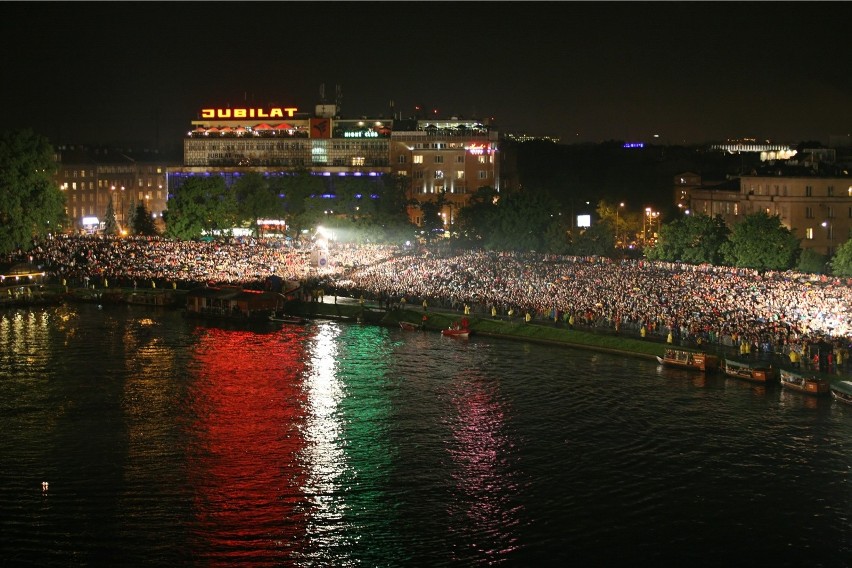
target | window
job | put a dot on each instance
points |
(418, 159)
(459, 159)
(809, 233)
(459, 174)
(401, 159)
(417, 174)
(402, 173)
(439, 159)
(830, 191)
(829, 211)
(439, 174)
(483, 174)
(358, 160)
(481, 159)
(809, 213)
(809, 191)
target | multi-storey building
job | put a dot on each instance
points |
(817, 207)
(92, 177)
(445, 161)
(449, 158)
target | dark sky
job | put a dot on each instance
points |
(689, 72)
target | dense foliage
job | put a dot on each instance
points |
(353, 209)
(31, 205)
(762, 242)
(841, 264)
(694, 239)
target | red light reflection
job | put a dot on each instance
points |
(248, 406)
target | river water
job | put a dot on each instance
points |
(131, 436)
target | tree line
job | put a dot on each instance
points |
(376, 210)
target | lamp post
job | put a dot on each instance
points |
(830, 234)
(620, 205)
(645, 221)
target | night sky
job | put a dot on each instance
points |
(688, 72)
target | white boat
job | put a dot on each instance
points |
(842, 391)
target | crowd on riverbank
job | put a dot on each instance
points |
(768, 311)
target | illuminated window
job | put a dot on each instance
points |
(481, 159)
(402, 173)
(809, 233)
(74, 184)
(439, 174)
(459, 174)
(358, 160)
(418, 159)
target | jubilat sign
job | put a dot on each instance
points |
(275, 112)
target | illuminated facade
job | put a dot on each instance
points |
(90, 178)
(818, 208)
(449, 159)
(452, 158)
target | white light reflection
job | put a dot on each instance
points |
(324, 458)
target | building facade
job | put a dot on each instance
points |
(817, 208)
(436, 158)
(90, 178)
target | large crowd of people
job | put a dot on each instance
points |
(775, 311)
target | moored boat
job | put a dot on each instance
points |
(756, 371)
(456, 332)
(804, 384)
(232, 304)
(409, 326)
(458, 329)
(696, 360)
(842, 391)
(284, 318)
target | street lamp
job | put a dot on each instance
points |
(645, 221)
(830, 234)
(620, 205)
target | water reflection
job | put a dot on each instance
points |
(483, 455)
(245, 402)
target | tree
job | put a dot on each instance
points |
(199, 206)
(431, 220)
(811, 261)
(841, 264)
(597, 240)
(143, 224)
(257, 199)
(761, 242)
(521, 222)
(110, 224)
(131, 215)
(478, 219)
(695, 239)
(31, 205)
